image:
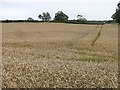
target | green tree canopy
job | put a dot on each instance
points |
(60, 17)
(116, 15)
(30, 19)
(81, 18)
(45, 16)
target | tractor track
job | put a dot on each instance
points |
(98, 35)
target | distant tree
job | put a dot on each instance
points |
(45, 16)
(116, 15)
(80, 18)
(60, 17)
(48, 17)
(40, 16)
(30, 19)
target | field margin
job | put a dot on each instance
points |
(0, 55)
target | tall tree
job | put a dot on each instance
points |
(45, 16)
(116, 15)
(48, 17)
(60, 17)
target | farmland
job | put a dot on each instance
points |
(59, 55)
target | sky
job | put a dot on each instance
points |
(90, 9)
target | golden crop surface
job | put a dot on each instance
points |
(59, 55)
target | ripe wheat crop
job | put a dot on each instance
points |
(59, 55)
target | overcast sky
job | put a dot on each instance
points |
(90, 9)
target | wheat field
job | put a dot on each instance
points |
(54, 55)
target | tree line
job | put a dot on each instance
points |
(60, 16)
